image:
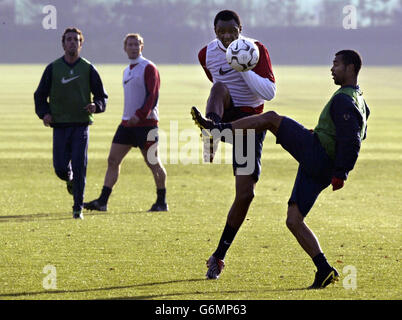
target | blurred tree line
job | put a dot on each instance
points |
(199, 13)
(173, 27)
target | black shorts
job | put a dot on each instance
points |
(315, 166)
(142, 137)
(245, 163)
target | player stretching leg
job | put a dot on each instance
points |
(234, 95)
(325, 155)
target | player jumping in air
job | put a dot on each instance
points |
(325, 154)
(234, 95)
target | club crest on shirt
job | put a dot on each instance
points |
(346, 116)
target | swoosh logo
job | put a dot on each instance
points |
(223, 72)
(125, 82)
(64, 81)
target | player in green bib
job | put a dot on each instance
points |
(63, 101)
(325, 154)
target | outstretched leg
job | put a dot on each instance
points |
(267, 121)
(116, 155)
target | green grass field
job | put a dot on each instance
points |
(128, 253)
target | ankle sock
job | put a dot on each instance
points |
(161, 196)
(105, 194)
(321, 262)
(214, 117)
(226, 240)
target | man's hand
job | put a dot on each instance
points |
(47, 119)
(90, 108)
(337, 183)
(133, 120)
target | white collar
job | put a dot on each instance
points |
(220, 44)
(137, 60)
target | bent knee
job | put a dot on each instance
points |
(61, 174)
(271, 116)
(219, 86)
(292, 223)
(272, 120)
(294, 217)
(219, 89)
(158, 168)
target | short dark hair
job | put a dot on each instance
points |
(351, 57)
(73, 29)
(227, 15)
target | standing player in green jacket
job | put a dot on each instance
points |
(63, 102)
(325, 154)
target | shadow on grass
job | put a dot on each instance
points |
(56, 216)
(145, 297)
(173, 295)
(51, 292)
(24, 217)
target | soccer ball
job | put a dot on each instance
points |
(242, 55)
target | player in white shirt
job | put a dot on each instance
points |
(234, 95)
(140, 117)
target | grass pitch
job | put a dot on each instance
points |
(128, 253)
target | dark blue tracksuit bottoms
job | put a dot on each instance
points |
(70, 158)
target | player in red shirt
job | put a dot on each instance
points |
(235, 95)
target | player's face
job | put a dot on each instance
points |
(133, 48)
(338, 70)
(72, 44)
(227, 31)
